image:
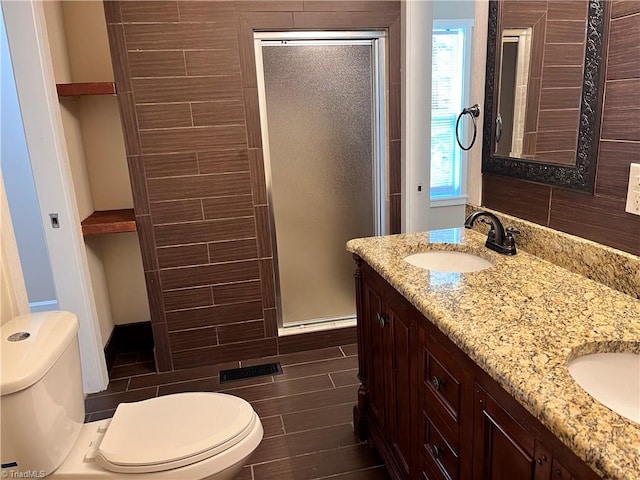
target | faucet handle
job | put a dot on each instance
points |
(510, 231)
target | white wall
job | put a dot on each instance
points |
(416, 114)
(20, 189)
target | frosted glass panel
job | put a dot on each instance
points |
(319, 116)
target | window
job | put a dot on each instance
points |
(449, 94)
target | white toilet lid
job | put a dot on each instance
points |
(172, 431)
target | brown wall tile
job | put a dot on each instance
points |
(563, 157)
(180, 36)
(241, 332)
(395, 166)
(351, 6)
(263, 231)
(613, 167)
(183, 255)
(621, 8)
(567, 10)
(170, 165)
(623, 93)
(162, 350)
(240, 292)
(147, 241)
(129, 123)
(149, 11)
(267, 282)
(206, 11)
(395, 52)
(559, 98)
(225, 353)
(233, 251)
(227, 207)
(565, 32)
(620, 124)
(197, 338)
(343, 19)
(556, 140)
(268, 5)
(137, 172)
(394, 111)
(167, 63)
(595, 218)
(154, 293)
(164, 115)
(189, 139)
(258, 182)
(208, 231)
(252, 113)
(209, 275)
(270, 323)
(564, 54)
(395, 208)
(623, 56)
(187, 298)
(526, 200)
(119, 57)
(558, 119)
(216, 315)
(559, 77)
(218, 113)
(187, 89)
(198, 186)
(314, 340)
(112, 11)
(212, 62)
(224, 161)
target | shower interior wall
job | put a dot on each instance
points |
(187, 91)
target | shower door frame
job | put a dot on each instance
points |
(377, 39)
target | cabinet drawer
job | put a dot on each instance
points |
(442, 380)
(441, 450)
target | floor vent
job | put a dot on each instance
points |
(250, 372)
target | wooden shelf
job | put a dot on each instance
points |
(93, 88)
(109, 221)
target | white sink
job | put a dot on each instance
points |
(445, 261)
(611, 378)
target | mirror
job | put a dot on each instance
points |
(543, 91)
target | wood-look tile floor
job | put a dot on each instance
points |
(306, 412)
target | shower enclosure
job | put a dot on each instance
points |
(322, 112)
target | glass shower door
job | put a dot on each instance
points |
(321, 123)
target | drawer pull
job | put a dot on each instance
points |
(437, 382)
(381, 320)
(435, 451)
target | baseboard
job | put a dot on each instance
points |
(131, 337)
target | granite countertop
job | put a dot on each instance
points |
(521, 321)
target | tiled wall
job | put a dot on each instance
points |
(555, 77)
(599, 217)
(186, 82)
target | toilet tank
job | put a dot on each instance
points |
(42, 403)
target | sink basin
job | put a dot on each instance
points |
(611, 378)
(445, 261)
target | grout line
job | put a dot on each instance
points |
(252, 474)
(282, 423)
(343, 353)
(331, 379)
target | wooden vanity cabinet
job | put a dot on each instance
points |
(387, 333)
(431, 412)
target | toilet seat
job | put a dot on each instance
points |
(173, 431)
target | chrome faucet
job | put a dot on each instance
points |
(498, 239)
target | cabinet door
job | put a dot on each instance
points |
(502, 448)
(378, 365)
(401, 379)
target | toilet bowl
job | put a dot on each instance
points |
(190, 436)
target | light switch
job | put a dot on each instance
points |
(633, 193)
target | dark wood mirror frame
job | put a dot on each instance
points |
(580, 176)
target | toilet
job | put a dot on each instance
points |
(190, 436)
